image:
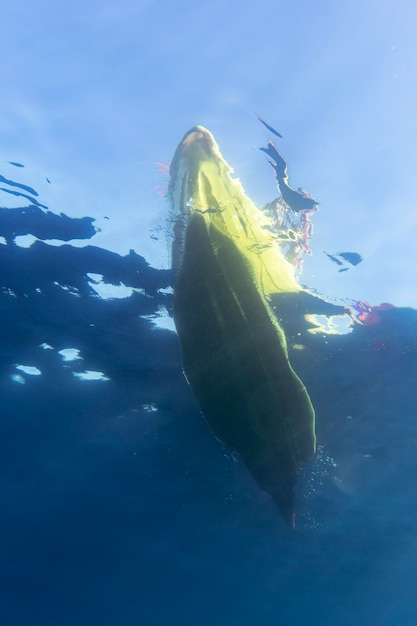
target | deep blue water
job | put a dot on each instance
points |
(120, 507)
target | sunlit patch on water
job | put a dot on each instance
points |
(70, 354)
(150, 407)
(69, 288)
(90, 375)
(329, 324)
(17, 378)
(30, 370)
(108, 291)
(69, 357)
(161, 319)
(25, 241)
(8, 292)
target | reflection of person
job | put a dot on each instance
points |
(297, 200)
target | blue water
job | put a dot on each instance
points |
(118, 504)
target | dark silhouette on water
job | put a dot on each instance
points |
(272, 130)
(297, 200)
(345, 259)
(43, 225)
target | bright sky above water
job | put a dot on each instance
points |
(94, 94)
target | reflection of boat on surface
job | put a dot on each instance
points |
(234, 351)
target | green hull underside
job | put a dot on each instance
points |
(235, 357)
